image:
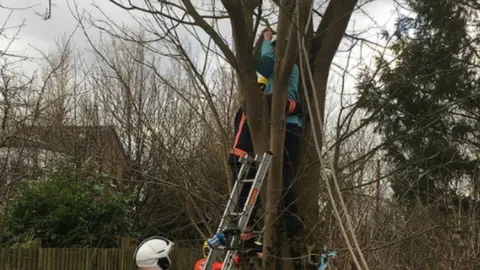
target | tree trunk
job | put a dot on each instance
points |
(323, 48)
(285, 57)
(242, 28)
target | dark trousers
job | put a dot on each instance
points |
(242, 143)
(290, 156)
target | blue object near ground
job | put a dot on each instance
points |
(325, 258)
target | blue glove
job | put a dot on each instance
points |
(217, 240)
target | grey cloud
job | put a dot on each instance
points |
(42, 34)
(61, 23)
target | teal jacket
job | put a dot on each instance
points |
(264, 62)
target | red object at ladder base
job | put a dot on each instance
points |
(200, 265)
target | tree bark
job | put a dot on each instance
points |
(242, 28)
(323, 47)
(285, 56)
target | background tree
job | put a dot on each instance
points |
(245, 17)
(21, 102)
(170, 91)
(424, 105)
(424, 101)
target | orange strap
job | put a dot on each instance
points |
(235, 150)
(291, 106)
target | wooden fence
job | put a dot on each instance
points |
(85, 259)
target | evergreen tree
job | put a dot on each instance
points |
(426, 104)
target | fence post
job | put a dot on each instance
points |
(128, 243)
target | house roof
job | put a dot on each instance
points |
(66, 139)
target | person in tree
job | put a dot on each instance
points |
(243, 140)
(264, 64)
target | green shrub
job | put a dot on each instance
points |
(69, 207)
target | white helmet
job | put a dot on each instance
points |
(154, 251)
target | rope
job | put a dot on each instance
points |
(318, 147)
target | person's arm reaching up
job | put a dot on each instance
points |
(264, 57)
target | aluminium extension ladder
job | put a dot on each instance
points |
(238, 220)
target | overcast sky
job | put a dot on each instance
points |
(40, 34)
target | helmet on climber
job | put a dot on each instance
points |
(153, 254)
(262, 82)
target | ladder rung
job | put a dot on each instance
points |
(251, 163)
(248, 180)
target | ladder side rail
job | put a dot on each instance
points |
(231, 203)
(254, 191)
(212, 254)
(236, 190)
(248, 207)
(230, 207)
